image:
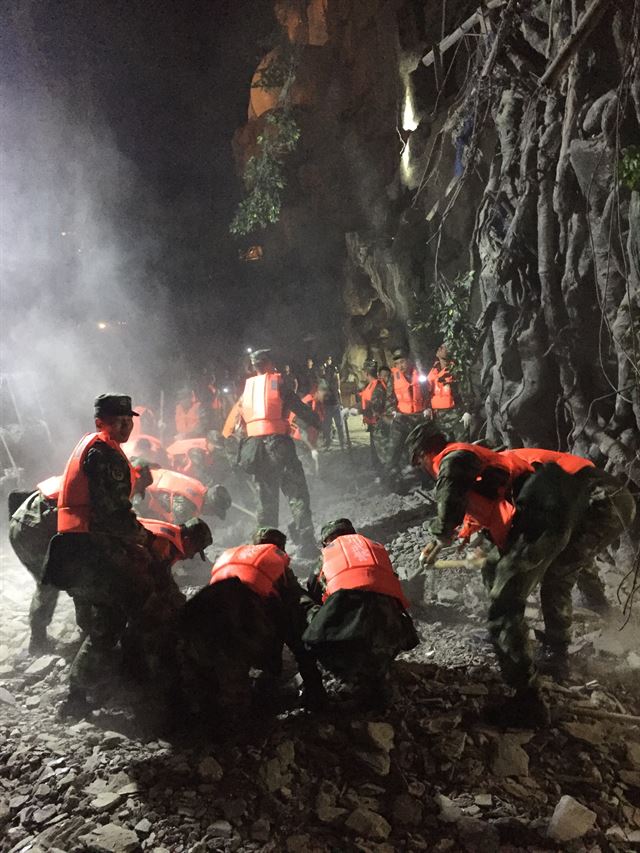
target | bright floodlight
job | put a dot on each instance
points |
(225, 390)
(422, 377)
(102, 325)
(249, 350)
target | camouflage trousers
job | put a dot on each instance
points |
(562, 523)
(397, 456)
(278, 470)
(449, 421)
(30, 545)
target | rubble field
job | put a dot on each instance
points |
(427, 774)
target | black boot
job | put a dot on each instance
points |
(40, 643)
(525, 710)
(553, 659)
(75, 706)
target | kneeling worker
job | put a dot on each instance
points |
(251, 607)
(363, 622)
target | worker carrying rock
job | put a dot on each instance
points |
(360, 621)
(269, 453)
(408, 404)
(251, 608)
(536, 518)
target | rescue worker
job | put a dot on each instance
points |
(373, 399)
(301, 431)
(100, 553)
(609, 511)
(31, 527)
(446, 402)
(191, 421)
(308, 378)
(176, 498)
(269, 452)
(408, 404)
(360, 621)
(532, 517)
(146, 447)
(216, 404)
(251, 607)
(330, 384)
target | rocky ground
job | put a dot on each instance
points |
(428, 774)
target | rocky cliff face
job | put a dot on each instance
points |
(480, 162)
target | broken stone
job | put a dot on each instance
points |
(478, 836)
(110, 740)
(40, 667)
(261, 830)
(112, 838)
(105, 802)
(407, 810)
(220, 829)
(485, 801)
(590, 733)
(381, 735)
(449, 811)
(633, 754)
(509, 758)
(210, 769)
(32, 701)
(6, 698)
(16, 803)
(570, 820)
(378, 762)
(368, 824)
(448, 596)
(630, 777)
(44, 814)
(143, 827)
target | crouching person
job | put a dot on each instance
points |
(251, 608)
(362, 623)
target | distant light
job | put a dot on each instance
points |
(409, 119)
(63, 233)
(102, 325)
(249, 350)
(422, 377)
(225, 390)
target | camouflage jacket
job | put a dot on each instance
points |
(458, 472)
(109, 490)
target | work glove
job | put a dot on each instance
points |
(427, 414)
(431, 550)
(465, 420)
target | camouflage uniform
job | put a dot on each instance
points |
(274, 463)
(562, 521)
(31, 528)
(107, 571)
(356, 634)
(228, 629)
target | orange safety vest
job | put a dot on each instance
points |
(355, 562)
(216, 402)
(146, 418)
(410, 393)
(188, 420)
(178, 453)
(312, 432)
(171, 536)
(481, 512)
(440, 380)
(131, 448)
(50, 487)
(173, 484)
(74, 502)
(567, 461)
(262, 406)
(365, 398)
(260, 567)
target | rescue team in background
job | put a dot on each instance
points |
(543, 515)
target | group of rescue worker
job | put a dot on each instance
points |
(125, 510)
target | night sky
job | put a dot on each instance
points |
(164, 85)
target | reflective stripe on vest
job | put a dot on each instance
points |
(484, 513)
(50, 487)
(188, 420)
(567, 461)
(355, 562)
(260, 567)
(410, 394)
(262, 406)
(441, 390)
(172, 483)
(74, 502)
(365, 399)
(171, 533)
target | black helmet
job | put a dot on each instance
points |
(220, 500)
(418, 438)
(196, 532)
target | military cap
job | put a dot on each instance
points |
(333, 529)
(113, 406)
(220, 500)
(259, 356)
(197, 532)
(270, 536)
(419, 436)
(398, 353)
